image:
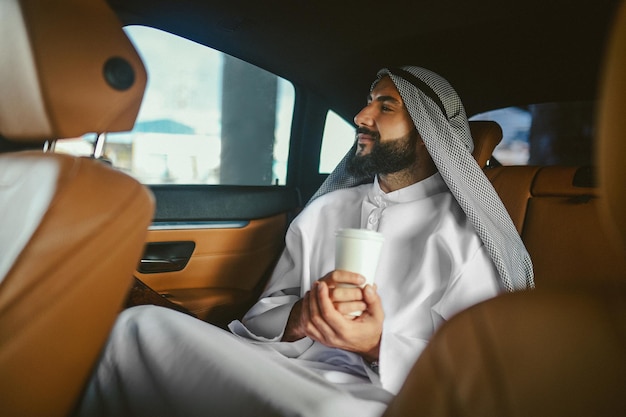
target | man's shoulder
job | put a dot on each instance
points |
(342, 197)
(338, 201)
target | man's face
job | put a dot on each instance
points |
(386, 139)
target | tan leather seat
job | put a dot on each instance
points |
(564, 234)
(556, 212)
(72, 228)
(487, 135)
(513, 184)
(557, 351)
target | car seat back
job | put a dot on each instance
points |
(72, 228)
(486, 134)
(556, 210)
(611, 149)
(563, 230)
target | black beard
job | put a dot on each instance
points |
(385, 158)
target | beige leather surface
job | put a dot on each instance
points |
(611, 154)
(60, 299)
(57, 89)
(567, 242)
(513, 184)
(564, 234)
(223, 258)
(487, 135)
(62, 294)
(558, 181)
(546, 353)
(559, 224)
(226, 267)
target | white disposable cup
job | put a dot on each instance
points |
(358, 250)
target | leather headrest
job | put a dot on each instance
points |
(67, 69)
(611, 152)
(486, 135)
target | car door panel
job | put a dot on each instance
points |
(232, 256)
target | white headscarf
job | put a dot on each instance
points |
(440, 119)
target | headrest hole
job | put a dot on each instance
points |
(118, 73)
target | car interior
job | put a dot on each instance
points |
(211, 291)
(81, 239)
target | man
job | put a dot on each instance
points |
(448, 244)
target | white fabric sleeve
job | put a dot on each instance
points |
(397, 355)
(477, 281)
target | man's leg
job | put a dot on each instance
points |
(160, 362)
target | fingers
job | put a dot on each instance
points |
(349, 308)
(374, 304)
(318, 309)
(337, 278)
(344, 294)
(345, 291)
(325, 304)
(333, 317)
(334, 326)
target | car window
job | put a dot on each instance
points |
(544, 134)
(206, 118)
(339, 136)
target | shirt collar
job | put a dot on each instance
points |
(426, 188)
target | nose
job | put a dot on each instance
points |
(364, 117)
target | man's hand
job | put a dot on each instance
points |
(323, 314)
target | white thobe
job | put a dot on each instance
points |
(433, 264)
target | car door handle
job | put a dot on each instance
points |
(165, 257)
(161, 265)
